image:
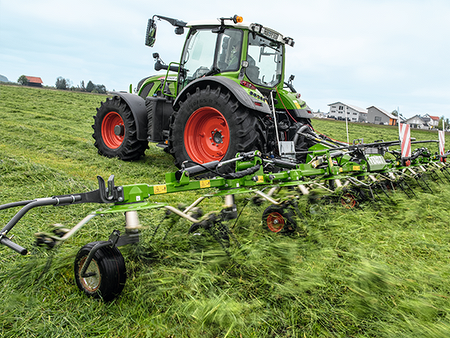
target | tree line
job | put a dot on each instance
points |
(66, 84)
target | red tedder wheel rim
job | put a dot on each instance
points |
(113, 130)
(206, 135)
(275, 222)
(348, 201)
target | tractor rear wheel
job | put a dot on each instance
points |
(115, 131)
(211, 125)
(107, 272)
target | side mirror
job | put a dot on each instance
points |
(150, 37)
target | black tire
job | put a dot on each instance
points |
(242, 129)
(279, 219)
(115, 131)
(149, 107)
(109, 268)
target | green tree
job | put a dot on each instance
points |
(100, 89)
(441, 123)
(22, 80)
(90, 87)
(61, 83)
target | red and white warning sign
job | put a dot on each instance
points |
(405, 139)
(441, 142)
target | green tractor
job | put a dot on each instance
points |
(227, 94)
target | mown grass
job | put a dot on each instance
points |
(380, 270)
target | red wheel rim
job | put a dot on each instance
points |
(206, 135)
(348, 201)
(113, 130)
(275, 222)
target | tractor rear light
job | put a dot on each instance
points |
(298, 95)
(408, 163)
(247, 84)
(259, 104)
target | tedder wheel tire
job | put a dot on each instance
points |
(211, 125)
(278, 219)
(115, 131)
(109, 268)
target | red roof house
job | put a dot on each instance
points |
(34, 81)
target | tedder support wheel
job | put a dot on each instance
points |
(211, 125)
(348, 200)
(115, 131)
(279, 219)
(107, 270)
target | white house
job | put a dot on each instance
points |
(432, 121)
(417, 122)
(340, 111)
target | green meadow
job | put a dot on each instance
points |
(379, 270)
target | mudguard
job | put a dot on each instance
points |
(251, 99)
(297, 107)
(137, 106)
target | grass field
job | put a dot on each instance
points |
(380, 270)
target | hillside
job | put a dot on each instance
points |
(379, 270)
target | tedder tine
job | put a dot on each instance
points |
(425, 182)
(446, 173)
(408, 186)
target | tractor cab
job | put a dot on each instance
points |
(229, 48)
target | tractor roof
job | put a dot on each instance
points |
(255, 27)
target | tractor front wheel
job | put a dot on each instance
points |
(115, 131)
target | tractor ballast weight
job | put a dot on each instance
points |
(227, 94)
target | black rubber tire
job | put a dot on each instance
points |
(129, 147)
(245, 128)
(149, 106)
(279, 219)
(109, 266)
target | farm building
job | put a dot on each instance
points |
(34, 81)
(340, 111)
(379, 116)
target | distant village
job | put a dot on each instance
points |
(376, 115)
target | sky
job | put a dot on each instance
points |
(392, 54)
